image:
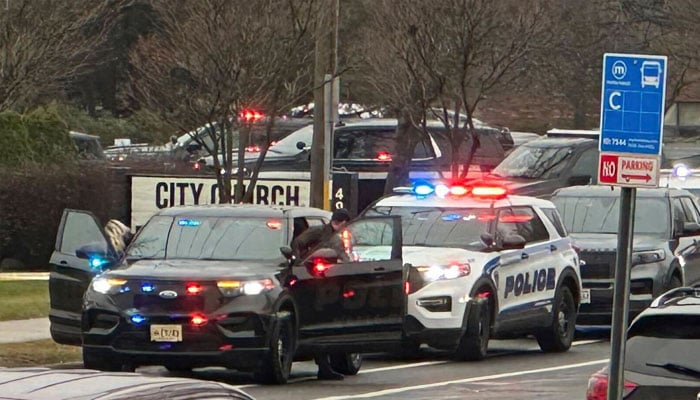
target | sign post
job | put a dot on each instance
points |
(631, 127)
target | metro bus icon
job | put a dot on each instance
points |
(651, 73)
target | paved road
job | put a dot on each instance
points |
(24, 330)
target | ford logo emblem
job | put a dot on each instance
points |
(168, 294)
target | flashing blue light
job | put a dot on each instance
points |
(148, 287)
(96, 262)
(138, 319)
(423, 188)
(189, 222)
(451, 217)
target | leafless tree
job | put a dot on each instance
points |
(44, 44)
(212, 59)
(447, 54)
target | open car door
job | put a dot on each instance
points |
(358, 305)
(79, 234)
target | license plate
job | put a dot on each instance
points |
(586, 296)
(166, 333)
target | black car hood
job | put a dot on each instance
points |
(608, 241)
(197, 269)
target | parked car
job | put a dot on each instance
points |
(662, 352)
(88, 146)
(218, 286)
(665, 252)
(37, 383)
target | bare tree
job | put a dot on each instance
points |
(212, 59)
(44, 44)
(448, 54)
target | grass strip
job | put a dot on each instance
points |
(23, 299)
(38, 353)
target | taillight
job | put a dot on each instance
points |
(193, 288)
(198, 319)
(598, 387)
(319, 267)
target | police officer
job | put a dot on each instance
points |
(318, 237)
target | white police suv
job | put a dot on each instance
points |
(483, 264)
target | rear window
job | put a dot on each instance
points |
(535, 162)
(671, 340)
(553, 216)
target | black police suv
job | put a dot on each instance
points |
(665, 252)
(217, 285)
(662, 352)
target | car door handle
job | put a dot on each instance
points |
(379, 269)
(524, 256)
(63, 262)
(552, 248)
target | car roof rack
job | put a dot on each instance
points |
(683, 291)
(574, 133)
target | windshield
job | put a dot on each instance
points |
(440, 227)
(601, 215)
(215, 238)
(665, 345)
(534, 162)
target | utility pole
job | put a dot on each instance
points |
(325, 65)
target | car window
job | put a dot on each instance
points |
(554, 217)
(362, 144)
(691, 211)
(663, 339)
(438, 227)
(679, 217)
(587, 164)
(217, 238)
(535, 162)
(582, 214)
(521, 221)
(80, 229)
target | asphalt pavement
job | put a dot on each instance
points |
(25, 330)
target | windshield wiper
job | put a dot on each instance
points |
(682, 369)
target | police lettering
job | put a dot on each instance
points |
(530, 282)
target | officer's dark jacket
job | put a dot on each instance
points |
(318, 237)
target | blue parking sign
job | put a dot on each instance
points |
(632, 103)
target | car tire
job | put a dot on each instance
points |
(277, 362)
(558, 336)
(97, 360)
(346, 363)
(475, 341)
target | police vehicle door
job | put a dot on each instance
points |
(525, 277)
(360, 302)
(686, 214)
(70, 275)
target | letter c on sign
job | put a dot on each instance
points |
(611, 100)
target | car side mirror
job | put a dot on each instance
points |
(691, 229)
(287, 252)
(301, 145)
(579, 180)
(191, 148)
(513, 242)
(96, 254)
(487, 239)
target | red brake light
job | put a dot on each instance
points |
(407, 287)
(319, 267)
(253, 149)
(489, 192)
(383, 156)
(193, 288)
(598, 387)
(198, 320)
(274, 224)
(197, 166)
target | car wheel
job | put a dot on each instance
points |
(558, 336)
(346, 363)
(475, 341)
(97, 360)
(277, 363)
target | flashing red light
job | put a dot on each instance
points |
(483, 295)
(197, 166)
(193, 288)
(598, 387)
(383, 156)
(407, 287)
(251, 115)
(348, 294)
(458, 190)
(319, 268)
(515, 218)
(253, 149)
(198, 320)
(226, 347)
(485, 217)
(489, 192)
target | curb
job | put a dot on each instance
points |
(24, 276)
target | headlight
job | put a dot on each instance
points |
(109, 285)
(238, 288)
(647, 257)
(450, 271)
